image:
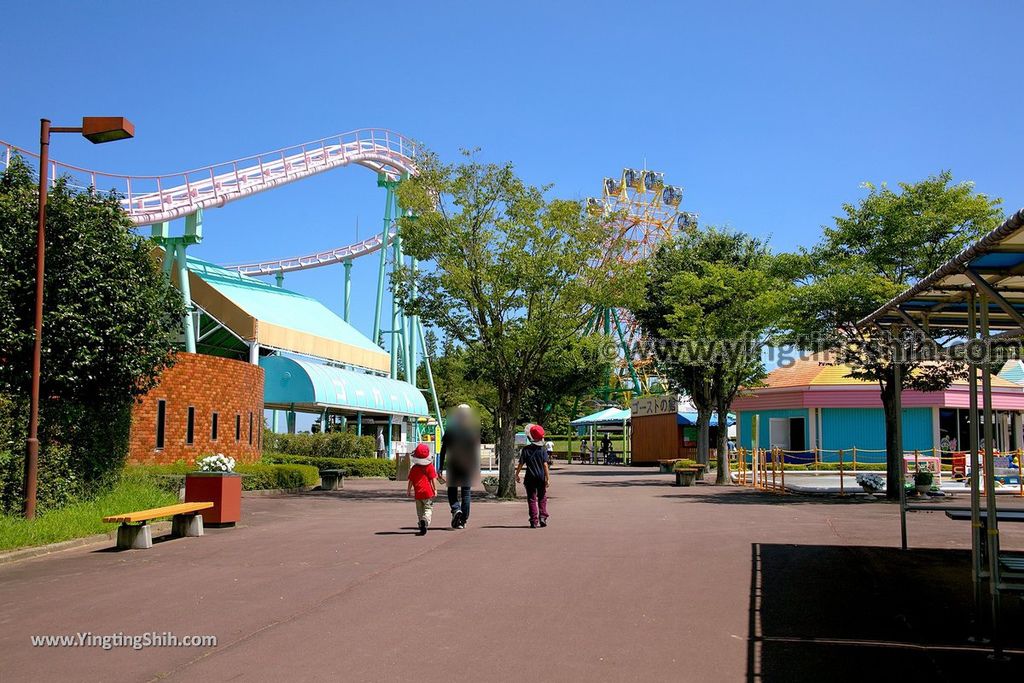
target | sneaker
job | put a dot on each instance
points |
(423, 528)
(462, 522)
(533, 525)
(543, 521)
(457, 522)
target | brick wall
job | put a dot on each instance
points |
(232, 389)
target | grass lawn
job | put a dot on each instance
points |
(82, 518)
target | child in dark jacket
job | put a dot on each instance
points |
(534, 457)
(422, 485)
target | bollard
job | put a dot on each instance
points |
(854, 458)
(842, 486)
(782, 473)
(775, 459)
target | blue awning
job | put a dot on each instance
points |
(311, 386)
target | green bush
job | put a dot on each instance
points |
(257, 476)
(260, 476)
(684, 464)
(330, 445)
(353, 467)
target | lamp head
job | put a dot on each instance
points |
(100, 129)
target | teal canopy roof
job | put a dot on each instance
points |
(602, 417)
(615, 416)
(279, 306)
(313, 386)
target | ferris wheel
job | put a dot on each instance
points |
(643, 211)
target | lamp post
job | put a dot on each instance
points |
(95, 129)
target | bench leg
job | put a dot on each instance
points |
(187, 525)
(135, 536)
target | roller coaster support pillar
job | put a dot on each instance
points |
(397, 321)
(411, 339)
(359, 424)
(347, 302)
(389, 201)
(174, 255)
(186, 295)
(279, 278)
(430, 380)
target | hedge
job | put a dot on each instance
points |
(353, 467)
(255, 476)
(330, 445)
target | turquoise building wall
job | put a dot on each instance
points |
(865, 429)
(743, 436)
(845, 428)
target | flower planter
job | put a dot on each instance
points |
(923, 489)
(686, 477)
(491, 488)
(223, 489)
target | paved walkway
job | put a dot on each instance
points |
(633, 580)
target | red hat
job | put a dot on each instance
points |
(422, 451)
(536, 433)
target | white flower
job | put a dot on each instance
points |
(217, 463)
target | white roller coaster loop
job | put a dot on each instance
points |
(154, 199)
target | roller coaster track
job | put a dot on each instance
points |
(154, 199)
(321, 258)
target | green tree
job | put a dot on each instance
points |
(714, 299)
(877, 248)
(110, 320)
(514, 276)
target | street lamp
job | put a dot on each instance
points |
(95, 129)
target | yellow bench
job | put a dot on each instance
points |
(134, 531)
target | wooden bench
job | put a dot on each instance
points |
(134, 531)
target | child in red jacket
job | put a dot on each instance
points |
(422, 484)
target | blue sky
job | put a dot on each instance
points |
(769, 114)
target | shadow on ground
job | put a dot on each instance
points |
(737, 495)
(833, 613)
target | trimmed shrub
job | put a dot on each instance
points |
(259, 476)
(255, 476)
(330, 445)
(353, 467)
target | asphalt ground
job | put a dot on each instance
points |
(634, 579)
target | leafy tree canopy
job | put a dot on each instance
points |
(514, 276)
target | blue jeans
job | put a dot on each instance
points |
(456, 505)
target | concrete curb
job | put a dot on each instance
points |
(158, 528)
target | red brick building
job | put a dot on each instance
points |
(203, 404)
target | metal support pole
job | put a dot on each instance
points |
(992, 542)
(32, 442)
(897, 371)
(186, 295)
(388, 201)
(396, 311)
(279, 278)
(430, 379)
(627, 353)
(388, 442)
(346, 304)
(359, 423)
(414, 324)
(972, 442)
(254, 353)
